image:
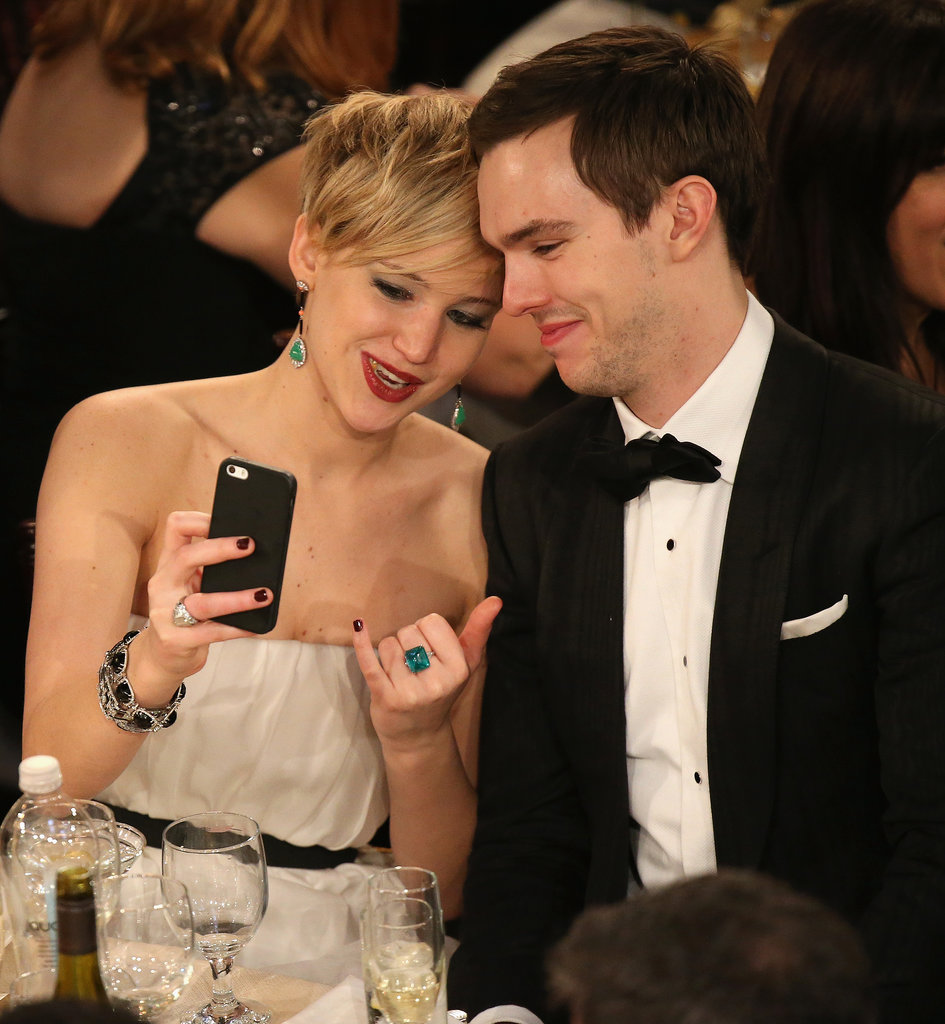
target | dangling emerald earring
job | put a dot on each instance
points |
(459, 410)
(298, 352)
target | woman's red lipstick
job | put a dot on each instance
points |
(387, 383)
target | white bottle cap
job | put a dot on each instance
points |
(40, 774)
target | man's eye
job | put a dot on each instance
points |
(545, 248)
(463, 319)
(392, 291)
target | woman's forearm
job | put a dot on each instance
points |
(433, 813)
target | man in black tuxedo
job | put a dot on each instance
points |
(741, 663)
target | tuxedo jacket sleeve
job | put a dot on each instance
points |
(826, 753)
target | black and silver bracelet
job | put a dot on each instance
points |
(117, 697)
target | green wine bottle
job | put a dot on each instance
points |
(78, 976)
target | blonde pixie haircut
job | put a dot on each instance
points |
(385, 177)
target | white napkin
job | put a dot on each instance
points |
(344, 1004)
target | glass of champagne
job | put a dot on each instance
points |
(219, 856)
(146, 934)
(404, 958)
(403, 880)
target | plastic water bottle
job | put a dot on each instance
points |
(41, 833)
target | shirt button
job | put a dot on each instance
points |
(697, 777)
(670, 544)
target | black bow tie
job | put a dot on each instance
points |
(625, 470)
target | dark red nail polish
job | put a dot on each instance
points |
(358, 625)
(243, 543)
(261, 595)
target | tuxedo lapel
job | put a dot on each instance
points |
(586, 570)
(771, 490)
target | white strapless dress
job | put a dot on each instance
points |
(279, 730)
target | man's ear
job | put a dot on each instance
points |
(304, 251)
(691, 202)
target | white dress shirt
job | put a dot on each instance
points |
(673, 536)
(672, 548)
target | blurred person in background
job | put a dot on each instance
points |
(850, 241)
(149, 163)
(737, 947)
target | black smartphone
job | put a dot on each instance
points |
(252, 500)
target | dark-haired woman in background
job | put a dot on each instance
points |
(850, 246)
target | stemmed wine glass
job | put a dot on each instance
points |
(146, 948)
(402, 946)
(219, 856)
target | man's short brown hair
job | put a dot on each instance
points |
(648, 109)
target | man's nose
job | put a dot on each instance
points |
(524, 291)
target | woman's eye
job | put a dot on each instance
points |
(463, 319)
(392, 291)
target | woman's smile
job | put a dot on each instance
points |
(385, 382)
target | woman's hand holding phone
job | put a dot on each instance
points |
(166, 653)
(208, 586)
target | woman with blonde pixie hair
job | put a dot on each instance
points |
(397, 291)
(373, 190)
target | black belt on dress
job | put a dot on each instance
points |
(279, 853)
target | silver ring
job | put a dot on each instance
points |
(181, 616)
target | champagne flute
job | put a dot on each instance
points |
(389, 884)
(404, 880)
(147, 948)
(404, 958)
(219, 856)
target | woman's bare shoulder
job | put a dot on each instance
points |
(151, 428)
(453, 453)
(134, 415)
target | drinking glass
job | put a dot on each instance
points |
(103, 848)
(131, 844)
(146, 942)
(219, 856)
(390, 886)
(48, 836)
(33, 987)
(417, 883)
(404, 958)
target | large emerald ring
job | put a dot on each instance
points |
(417, 659)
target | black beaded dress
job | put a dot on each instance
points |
(136, 298)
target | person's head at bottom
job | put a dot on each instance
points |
(732, 948)
(67, 1011)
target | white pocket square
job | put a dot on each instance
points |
(811, 624)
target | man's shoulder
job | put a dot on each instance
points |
(538, 465)
(862, 392)
(556, 437)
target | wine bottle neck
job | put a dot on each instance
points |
(76, 926)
